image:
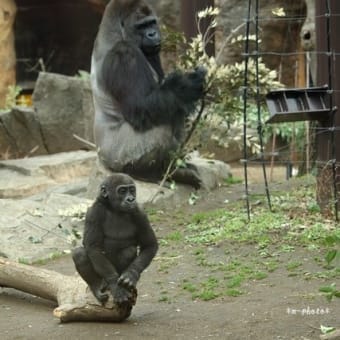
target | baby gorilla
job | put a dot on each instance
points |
(118, 242)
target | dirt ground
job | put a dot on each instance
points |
(282, 305)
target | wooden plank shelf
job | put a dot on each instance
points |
(292, 105)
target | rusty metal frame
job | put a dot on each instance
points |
(292, 105)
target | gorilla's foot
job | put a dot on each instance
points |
(99, 291)
(188, 175)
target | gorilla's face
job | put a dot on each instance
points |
(120, 191)
(150, 35)
(141, 27)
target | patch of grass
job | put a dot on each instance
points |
(221, 225)
(174, 236)
(233, 292)
(163, 243)
(207, 294)
(164, 298)
(293, 265)
(232, 180)
(327, 274)
(235, 281)
(42, 261)
(206, 290)
(271, 265)
(264, 242)
(190, 287)
(23, 260)
(209, 290)
(166, 262)
(231, 266)
(235, 273)
(330, 291)
(287, 248)
(201, 258)
(259, 275)
(294, 219)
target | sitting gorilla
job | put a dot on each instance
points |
(139, 115)
(118, 243)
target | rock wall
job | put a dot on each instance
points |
(63, 107)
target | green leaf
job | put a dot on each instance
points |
(180, 163)
(35, 240)
(327, 289)
(326, 329)
(173, 185)
(330, 240)
(330, 256)
(193, 198)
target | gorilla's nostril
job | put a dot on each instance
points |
(306, 35)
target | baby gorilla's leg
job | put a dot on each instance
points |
(86, 271)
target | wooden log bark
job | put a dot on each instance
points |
(7, 49)
(75, 300)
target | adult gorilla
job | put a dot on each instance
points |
(139, 115)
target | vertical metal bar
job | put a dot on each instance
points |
(245, 95)
(259, 121)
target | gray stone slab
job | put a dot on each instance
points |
(64, 107)
(46, 223)
(31, 230)
(20, 133)
(30, 176)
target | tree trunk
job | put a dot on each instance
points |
(328, 136)
(75, 300)
(7, 48)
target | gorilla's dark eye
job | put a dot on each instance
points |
(145, 23)
(122, 190)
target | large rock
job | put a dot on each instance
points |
(64, 108)
(32, 230)
(212, 174)
(20, 133)
(30, 176)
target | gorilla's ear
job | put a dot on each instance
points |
(103, 191)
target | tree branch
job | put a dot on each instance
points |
(75, 300)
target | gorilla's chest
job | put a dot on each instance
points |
(119, 231)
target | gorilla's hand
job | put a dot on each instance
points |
(199, 74)
(120, 294)
(129, 279)
(196, 79)
(188, 87)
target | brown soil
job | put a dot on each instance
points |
(282, 305)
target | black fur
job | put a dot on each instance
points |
(143, 101)
(118, 242)
(129, 88)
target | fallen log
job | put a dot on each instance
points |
(75, 300)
